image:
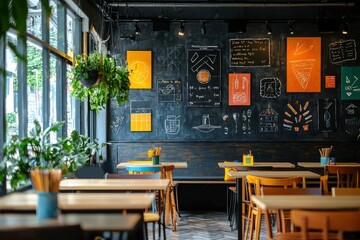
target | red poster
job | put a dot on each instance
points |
(239, 89)
(330, 82)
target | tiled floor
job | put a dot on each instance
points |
(203, 225)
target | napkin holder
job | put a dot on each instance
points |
(248, 159)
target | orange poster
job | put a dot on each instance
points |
(139, 64)
(239, 89)
(303, 64)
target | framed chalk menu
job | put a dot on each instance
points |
(249, 52)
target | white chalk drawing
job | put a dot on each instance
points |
(246, 122)
(302, 70)
(169, 91)
(352, 119)
(170, 57)
(172, 124)
(270, 87)
(226, 129)
(116, 125)
(342, 51)
(301, 49)
(268, 120)
(208, 60)
(327, 115)
(206, 127)
(350, 110)
(350, 85)
(236, 119)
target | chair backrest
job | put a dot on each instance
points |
(256, 183)
(326, 221)
(90, 172)
(347, 176)
(53, 232)
(345, 191)
(132, 176)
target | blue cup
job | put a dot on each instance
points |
(47, 205)
(324, 160)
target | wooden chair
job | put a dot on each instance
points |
(332, 224)
(171, 204)
(324, 186)
(345, 191)
(347, 176)
(45, 232)
(284, 215)
(154, 216)
(255, 184)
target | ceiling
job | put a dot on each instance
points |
(213, 10)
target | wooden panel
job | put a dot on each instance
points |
(203, 157)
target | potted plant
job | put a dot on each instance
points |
(21, 155)
(111, 80)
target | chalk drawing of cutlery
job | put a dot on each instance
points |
(236, 119)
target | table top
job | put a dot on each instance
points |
(123, 165)
(114, 184)
(274, 174)
(319, 165)
(257, 164)
(306, 202)
(26, 201)
(88, 222)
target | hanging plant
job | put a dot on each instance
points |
(108, 80)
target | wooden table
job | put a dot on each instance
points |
(257, 164)
(114, 184)
(303, 202)
(239, 175)
(319, 165)
(123, 165)
(90, 223)
(78, 202)
(103, 185)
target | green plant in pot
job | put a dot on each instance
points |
(38, 151)
(111, 80)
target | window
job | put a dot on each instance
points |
(12, 123)
(34, 84)
(38, 89)
(33, 22)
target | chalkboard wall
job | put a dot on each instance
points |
(183, 109)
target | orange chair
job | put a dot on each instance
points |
(255, 184)
(323, 225)
(345, 192)
(347, 176)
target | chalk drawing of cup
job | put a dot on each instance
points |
(172, 124)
